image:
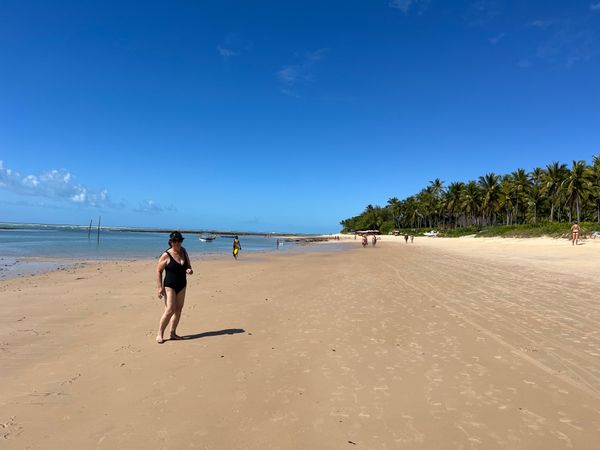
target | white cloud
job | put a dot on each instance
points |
(303, 72)
(226, 52)
(53, 184)
(59, 185)
(233, 45)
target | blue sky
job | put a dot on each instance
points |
(282, 116)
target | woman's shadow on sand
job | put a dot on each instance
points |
(212, 333)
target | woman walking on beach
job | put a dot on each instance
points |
(175, 262)
(236, 247)
(575, 229)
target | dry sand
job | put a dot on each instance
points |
(442, 344)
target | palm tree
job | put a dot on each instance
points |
(490, 185)
(535, 198)
(506, 198)
(537, 176)
(515, 198)
(471, 201)
(427, 205)
(394, 207)
(596, 183)
(453, 200)
(555, 175)
(411, 212)
(578, 185)
(436, 190)
(520, 183)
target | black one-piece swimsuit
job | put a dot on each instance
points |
(175, 275)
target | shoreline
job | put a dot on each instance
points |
(14, 267)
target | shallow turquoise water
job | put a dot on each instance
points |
(64, 242)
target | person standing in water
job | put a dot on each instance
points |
(575, 230)
(175, 262)
(236, 246)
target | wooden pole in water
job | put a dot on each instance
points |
(99, 217)
(90, 228)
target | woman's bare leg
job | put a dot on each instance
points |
(170, 307)
(180, 300)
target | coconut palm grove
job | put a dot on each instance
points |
(547, 199)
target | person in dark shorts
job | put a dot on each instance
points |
(175, 262)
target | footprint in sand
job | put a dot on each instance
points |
(10, 428)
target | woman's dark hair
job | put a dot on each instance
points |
(175, 236)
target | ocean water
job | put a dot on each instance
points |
(66, 242)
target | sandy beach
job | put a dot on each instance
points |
(441, 344)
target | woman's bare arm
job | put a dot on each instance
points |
(162, 262)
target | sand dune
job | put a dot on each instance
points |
(488, 344)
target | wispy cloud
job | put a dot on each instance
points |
(226, 52)
(481, 12)
(595, 6)
(303, 72)
(57, 184)
(494, 40)
(541, 23)
(524, 63)
(570, 43)
(150, 206)
(407, 5)
(232, 46)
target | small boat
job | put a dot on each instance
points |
(206, 237)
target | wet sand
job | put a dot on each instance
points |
(472, 344)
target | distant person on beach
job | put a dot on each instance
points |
(406, 238)
(575, 230)
(365, 240)
(411, 238)
(374, 240)
(236, 247)
(175, 262)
